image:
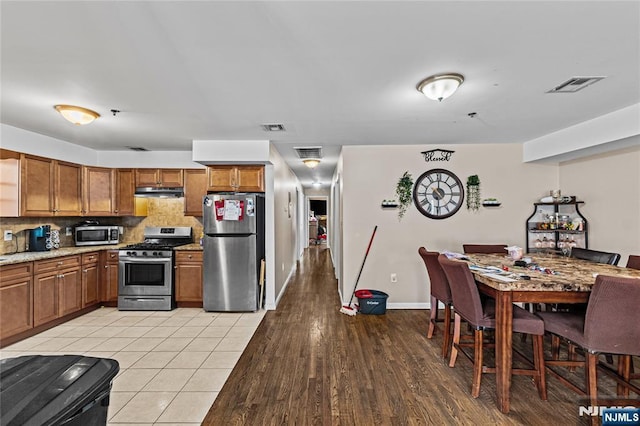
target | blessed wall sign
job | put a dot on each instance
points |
(437, 155)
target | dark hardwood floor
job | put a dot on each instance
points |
(309, 364)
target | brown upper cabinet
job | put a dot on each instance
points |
(108, 192)
(195, 187)
(98, 191)
(125, 188)
(236, 178)
(49, 187)
(169, 178)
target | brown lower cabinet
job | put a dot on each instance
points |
(109, 277)
(90, 293)
(37, 295)
(57, 288)
(16, 299)
(188, 276)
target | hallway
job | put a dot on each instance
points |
(309, 364)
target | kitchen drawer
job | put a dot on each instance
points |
(56, 264)
(188, 256)
(112, 256)
(17, 271)
(88, 258)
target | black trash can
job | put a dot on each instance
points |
(65, 390)
(372, 302)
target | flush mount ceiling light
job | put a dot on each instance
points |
(316, 184)
(440, 86)
(311, 162)
(77, 115)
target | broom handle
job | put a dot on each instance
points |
(362, 267)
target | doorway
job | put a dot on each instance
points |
(318, 220)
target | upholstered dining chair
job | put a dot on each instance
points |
(485, 248)
(440, 292)
(468, 306)
(610, 326)
(633, 262)
(595, 256)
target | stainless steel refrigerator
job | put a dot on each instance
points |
(233, 247)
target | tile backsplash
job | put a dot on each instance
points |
(161, 212)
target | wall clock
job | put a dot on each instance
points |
(438, 193)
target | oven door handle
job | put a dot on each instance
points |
(144, 259)
(142, 299)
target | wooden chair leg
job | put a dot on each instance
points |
(456, 340)
(609, 358)
(592, 382)
(538, 361)
(624, 371)
(447, 331)
(433, 317)
(555, 347)
(477, 363)
(571, 355)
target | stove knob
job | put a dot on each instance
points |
(144, 253)
(155, 253)
(133, 253)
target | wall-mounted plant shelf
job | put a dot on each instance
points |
(389, 204)
(491, 202)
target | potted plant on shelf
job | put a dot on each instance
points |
(473, 192)
(404, 190)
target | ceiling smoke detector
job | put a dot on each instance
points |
(575, 84)
(273, 127)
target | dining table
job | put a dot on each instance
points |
(547, 278)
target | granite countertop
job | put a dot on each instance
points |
(194, 247)
(572, 274)
(30, 256)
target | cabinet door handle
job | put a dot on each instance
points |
(190, 256)
(60, 263)
(106, 266)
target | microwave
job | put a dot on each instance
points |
(97, 235)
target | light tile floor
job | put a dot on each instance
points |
(172, 364)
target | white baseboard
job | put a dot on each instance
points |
(408, 305)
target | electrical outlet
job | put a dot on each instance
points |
(394, 278)
(8, 235)
(68, 231)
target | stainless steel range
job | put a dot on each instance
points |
(145, 273)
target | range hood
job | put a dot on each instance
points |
(150, 191)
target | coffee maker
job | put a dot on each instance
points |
(40, 238)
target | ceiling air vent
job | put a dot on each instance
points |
(574, 84)
(137, 148)
(309, 152)
(273, 127)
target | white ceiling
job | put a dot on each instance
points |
(334, 73)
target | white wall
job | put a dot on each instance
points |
(231, 151)
(502, 174)
(20, 140)
(608, 132)
(285, 222)
(609, 184)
